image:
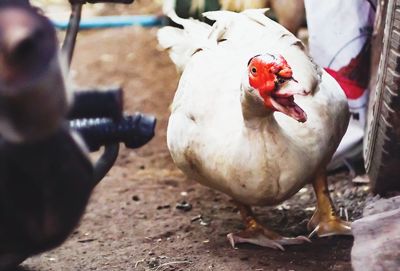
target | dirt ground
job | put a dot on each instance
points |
(132, 222)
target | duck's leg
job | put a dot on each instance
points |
(255, 233)
(324, 222)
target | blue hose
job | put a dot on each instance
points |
(112, 21)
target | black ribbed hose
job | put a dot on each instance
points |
(134, 131)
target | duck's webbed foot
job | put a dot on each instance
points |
(328, 225)
(325, 222)
(257, 234)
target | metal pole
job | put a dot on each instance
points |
(72, 32)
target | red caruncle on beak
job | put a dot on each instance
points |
(264, 71)
(273, 78)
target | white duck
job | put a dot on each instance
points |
(227, 130)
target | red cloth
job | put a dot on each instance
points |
(352, 89)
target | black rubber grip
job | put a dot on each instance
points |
(134, 131)
(97, 104)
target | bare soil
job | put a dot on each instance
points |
(132, 221)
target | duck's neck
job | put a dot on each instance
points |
(255, 114)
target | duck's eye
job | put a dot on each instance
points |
(281, 80)
(253, 70)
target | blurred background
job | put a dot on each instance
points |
(146, 215)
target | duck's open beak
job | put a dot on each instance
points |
(283, 100)
(290, 88)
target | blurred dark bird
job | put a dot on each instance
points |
(45, 176)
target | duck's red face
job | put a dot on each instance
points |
(273, 78)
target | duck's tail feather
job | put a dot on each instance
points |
(183, 43)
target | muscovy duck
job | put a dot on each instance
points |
(254, 117)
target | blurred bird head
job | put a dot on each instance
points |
(32, 89)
